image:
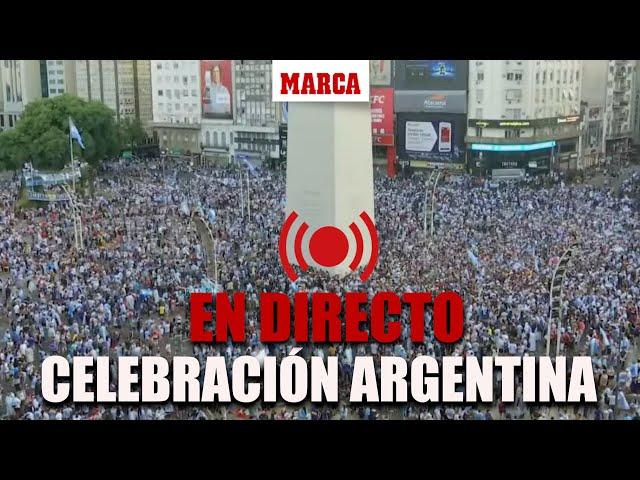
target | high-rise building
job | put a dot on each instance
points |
(176, 104)
(57, 77)
(524, 116)
(256, 117)
(610, 85)
(20, 85)
(122, 85)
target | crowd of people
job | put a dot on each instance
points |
(126, 291)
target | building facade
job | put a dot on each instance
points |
(524, 115)
(20, 85)
(256, 133)
(57, 77)
(122, 85)
(611, 86)
(176, 105)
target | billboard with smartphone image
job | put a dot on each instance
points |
(437, 138)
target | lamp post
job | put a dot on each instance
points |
(429, 206)
(77, 220)
(556, 290)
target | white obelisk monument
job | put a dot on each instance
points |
(330, 172)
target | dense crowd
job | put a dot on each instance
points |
(144, 250)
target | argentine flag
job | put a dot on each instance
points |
(74, 133)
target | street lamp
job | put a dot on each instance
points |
(77, 220)
(555, 294)
(430, 189)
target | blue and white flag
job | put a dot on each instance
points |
(211, 215)
(472, 258)
(74, 133)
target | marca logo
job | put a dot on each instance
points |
(320, 81)
(435, 101)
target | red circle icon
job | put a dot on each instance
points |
(328, 246)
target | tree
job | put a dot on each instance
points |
(131, 132)
(42, 134)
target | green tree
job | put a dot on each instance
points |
(42, 134)
(131, 132)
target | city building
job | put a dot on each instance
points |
(57, 77)
(176, 99)
(524, 116)
(256, 132)
(382, 114)
(636, 105)
(431, 112)
(122, 85)
(20, 85)
(611, 86)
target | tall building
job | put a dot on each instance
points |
(176, 104)
(256, 117)
(524, 116)
(57, 77)
(636, 105)
(610, 85)
(20, 85)
(122, 85)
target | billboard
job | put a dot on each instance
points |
(380, 72)
(452, 101)
(432, 137)
(216, 88)
(431, 75)
(382, 116)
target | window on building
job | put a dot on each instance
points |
(512, 133)
(510, 76)
(193, 79)
(185, 79)
(10, 120)
(215, 139)
(513, 95)
(176, 79)
(52, 81)
(1, 120)
(158, 66)
(551, 76)
(176, 65)
(159, 93)
(194, 92)
(59, 62)
(480, 76)
(185, 93)
(478, 113)
(544, 78)
(60, 72)
(60, 81)
(224, 139)
(177, 107)
(513, 113)
(517, 76)
(61, 90)
(169, 94)
(480, 96)
(537, 78)
(478, 131)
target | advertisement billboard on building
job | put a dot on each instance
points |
(382, 116)
(431, 74)
(380, 72)
(449, 101)
(217, 88)
(432, 137)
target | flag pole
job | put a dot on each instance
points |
(73, 177)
